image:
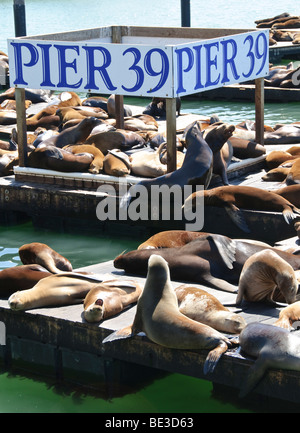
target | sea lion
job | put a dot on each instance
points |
(203, 307)
(116, 163)
(115, 139)
(277, 157)
(293, 176)
(53, 158)
(97, 165)
(159, 317)
(285, 15)
(277, 174)
(73, 135)
(110, 298)
(297, 227)
(288, 316)
(198, 162)
(170, 239)
(234, 197)
(96, 101)
(20, 278)
(157, 107)
(267, 277)
(290, 193)
(292, 23)
(273, 347)
(243, 148)
(34, 95)
(111, 107)
(286, 134)
(56, 290)
(45, 256)
(214, 260)
(70, 113)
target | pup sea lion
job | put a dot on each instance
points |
(158, 316)
(67, 288)
(274, 347)
(45, 256)
(234, 197)
(110, 298)
(203, 307)
(267, 277)
(213, 260)
(20, 278)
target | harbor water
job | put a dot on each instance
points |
(166, 393)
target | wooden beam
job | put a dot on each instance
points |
(21, 126)
(259, 110)
(171, 134)
(119, 99)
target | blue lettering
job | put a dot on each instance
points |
(46, 65)
(211, 63)
(137, 69)
(180, 70)
(19, 61)
(63, 65)
(199, 84)
(164, 70)
(229, 60)
(91, 68)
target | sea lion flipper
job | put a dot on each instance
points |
(237, 217)
(119, 334)
(256, 372)
(288, 215)
(226, 248)
(213, 357)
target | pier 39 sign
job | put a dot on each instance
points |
(139, 70)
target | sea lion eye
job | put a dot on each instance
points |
(99, 302)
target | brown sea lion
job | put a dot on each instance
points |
(293, 176)
(235, 197)
(68, 99)
(267, 277)
(110, 298)
(53, 158)
(53, 291)
(170, 239)
(95, 101)
(273, 347)
(277, 157)
(45, 256)
(20, 278)
(285, 15)
(203, 307)
(111, 107)
(290, 193)
(97, 165)
(73, 135)
(116, 163)
(243, 148)
(292, 23)
(115, 139)
(158, 316)
(276, 174)
(70, 113)
(288, 316)
(214, 260)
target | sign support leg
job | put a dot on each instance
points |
(171, 134)
(259, 110)
(21, 126)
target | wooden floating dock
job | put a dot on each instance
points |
(60, 340)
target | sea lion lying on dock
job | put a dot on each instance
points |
(170, 239)
(213, 260)
(288, 316)
(267, 277)
(158, 316)
(110, 298)
(116, 163)
(235, 197)
(20, 278)
(97, 165)
(43, 255)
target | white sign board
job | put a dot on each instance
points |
(138, 70)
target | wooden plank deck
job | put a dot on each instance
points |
(60, 337)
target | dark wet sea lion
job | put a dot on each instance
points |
(212, 260)
(20, 278)
(158, 315)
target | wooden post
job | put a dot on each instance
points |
(19, 18)
(171, 134)
(259, 110)
(185, 13)
(119, 100)
(21, 126)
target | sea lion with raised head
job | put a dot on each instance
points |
(158, 316)
(273, 347)
(267, 277)
(203, 307)
(110, 298)
(45, 256)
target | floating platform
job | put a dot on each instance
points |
(59, 340)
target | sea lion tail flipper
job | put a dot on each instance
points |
(213, 357)
(255, 374)
(226, 248)
(288, 215)
(219, 284)
(235, 214)
(119, 334)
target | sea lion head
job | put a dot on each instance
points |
(17, 301)
(234, 323)
(95, 311)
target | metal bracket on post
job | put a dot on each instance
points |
(259, 110)
(21, 126)
(171, 134)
